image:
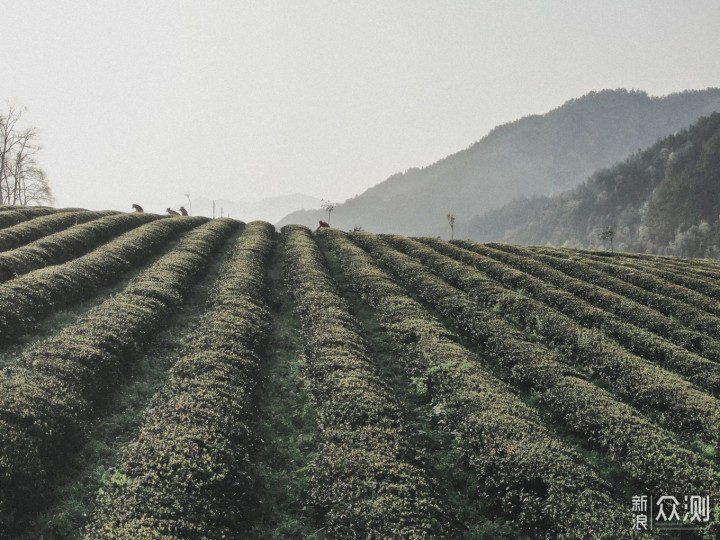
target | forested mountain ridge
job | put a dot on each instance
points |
(665, 199)
(539, 154)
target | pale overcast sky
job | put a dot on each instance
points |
(144, 100)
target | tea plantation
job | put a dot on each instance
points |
(186, 378)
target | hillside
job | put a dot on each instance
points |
(539, 154)
(661, 200)
(193, 378)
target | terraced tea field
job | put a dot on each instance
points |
(176, 377)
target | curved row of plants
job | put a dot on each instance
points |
(12, 215)
(526, 473)
(692, 309)
(711, 265)
(696, 270)
(682, 297)
(187, 475)
(48, 396)
(552, 270)
(68, 244)
(703, 284)
(367, 478)
(706, 268)
(32, 209)
(706, 285)
(649, 454)
(650, 388)
(27, 298)
(594, 337)
(29, 231)
(695, 311)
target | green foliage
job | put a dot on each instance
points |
(188, 473)
(602, 419)
(615, 296)
(68, 244)
(520, 464)
(48, 396)
(28, 231)
(556, 383)
(25, 299)
(12, 215)
(287, 425)
(366, 478)
(590, 340)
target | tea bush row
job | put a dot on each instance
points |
(694, 310)
(48, 396)
(561, 274)
(684, 276)
(27, 298)
(525, 472)
(187, 474)
(590, 334)
(29, 231)
(644, 450)
(68, 244)
(12, 215)
(683, 303)
(664, 260)
(367, 478)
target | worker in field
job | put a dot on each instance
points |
(183, 211)
(137, 208)
(322, 224)
(172, 212)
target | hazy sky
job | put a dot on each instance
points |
(144, 100)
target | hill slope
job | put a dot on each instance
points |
(193, 378)
(539, 154)
(661, 200)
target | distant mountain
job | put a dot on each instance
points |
(664, 200)
(540, 154)
(270, 209)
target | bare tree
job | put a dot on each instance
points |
(608, 234)
(451, 221)
(328, 207)
(22, 181)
